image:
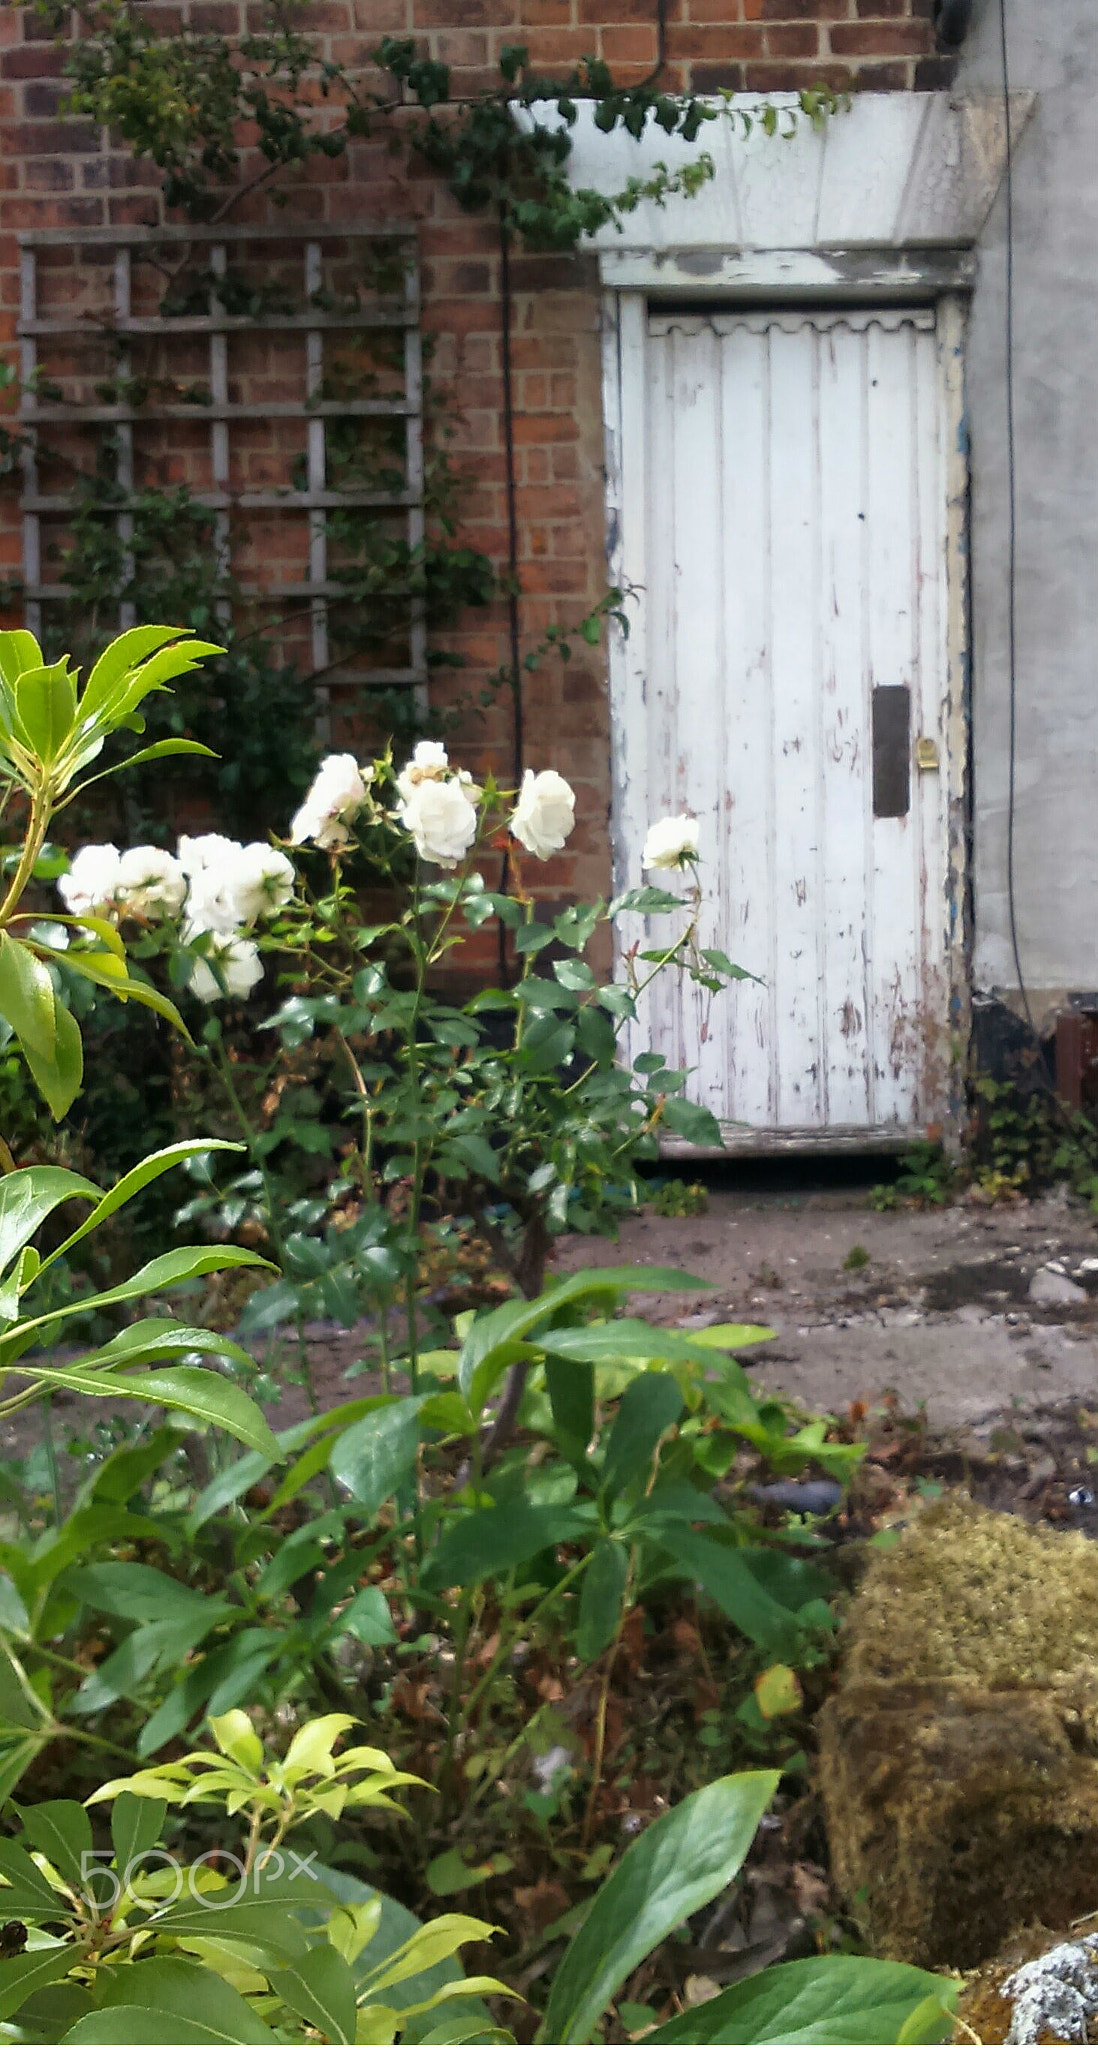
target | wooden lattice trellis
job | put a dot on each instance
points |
(122, 327)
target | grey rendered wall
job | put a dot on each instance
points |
(1053, 52)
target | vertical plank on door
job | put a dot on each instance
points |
(794, 648)
(891, 531)
(931, 698)
(628, 407)
(750, 934)
(698, 778)
(844, 766)
(661, 1010)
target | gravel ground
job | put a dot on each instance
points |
(970, 1318)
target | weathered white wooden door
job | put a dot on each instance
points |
(793, 559)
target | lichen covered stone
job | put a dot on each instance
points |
(1036, 1990)
(959, 1776)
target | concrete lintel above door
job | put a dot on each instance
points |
(826, 276)
(907, 171)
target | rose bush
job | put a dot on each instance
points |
(514, 1116)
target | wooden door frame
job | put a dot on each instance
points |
(631, 283)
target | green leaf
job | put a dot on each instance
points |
(62, 1831)
(106, 972)
(375, 1456)
(160, 750)
(21, 1976)
(476, 1153)
(253, 1917)
(932, 2019)
(16, 1283)
(676, 1504)
(45, 703)
(824, 1999)
(135, 1827)
(171, 1269)
(321, 1990)
(681, 1862)
(15, 1759)
(139, 1177)
(147, 2026)
(190, 1991)
(27, 1197)
(135, 1592)
(571, 1390)
(19, 651)
(493, 1540)
(727, 1576)
(731, 1336)
(229, 1485)
(432, 1943)
(793, 1582)
(650, 1405)
(20, 1706)
(450, 1873)
(368, 1618)
(125, 1471)
(602, 1598)
(713, 957)
(646, 902)
(690, 1121)
(165, 1642)
(623, 1339)
(14, 1619)
(489, 1347)
(48, 1034)
(119, 659)
(196, 1391)
(395, 1927)
(31, 1896)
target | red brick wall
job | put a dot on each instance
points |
(57, 172)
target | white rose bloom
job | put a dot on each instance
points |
(429, 763)
(441, 820)
(212, 899)
(238, 969)
(91, 885)
(150, 880)
(545, 813)
(671, 843)
(260, 882)
(207, 852)
(338, 790)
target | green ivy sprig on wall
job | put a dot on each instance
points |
(181, 101)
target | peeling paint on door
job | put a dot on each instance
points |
(795, 563)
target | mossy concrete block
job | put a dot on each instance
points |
(967, 1593)
(959, 1759)
(955, 1815)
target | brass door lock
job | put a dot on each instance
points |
(926, 755)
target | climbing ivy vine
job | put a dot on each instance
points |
(182, 101)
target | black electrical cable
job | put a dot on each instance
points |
(513, 619)
(1012, 521)
(661, 45)
(514, 622)
(1047, 1077)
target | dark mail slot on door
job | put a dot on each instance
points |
(891, 751)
